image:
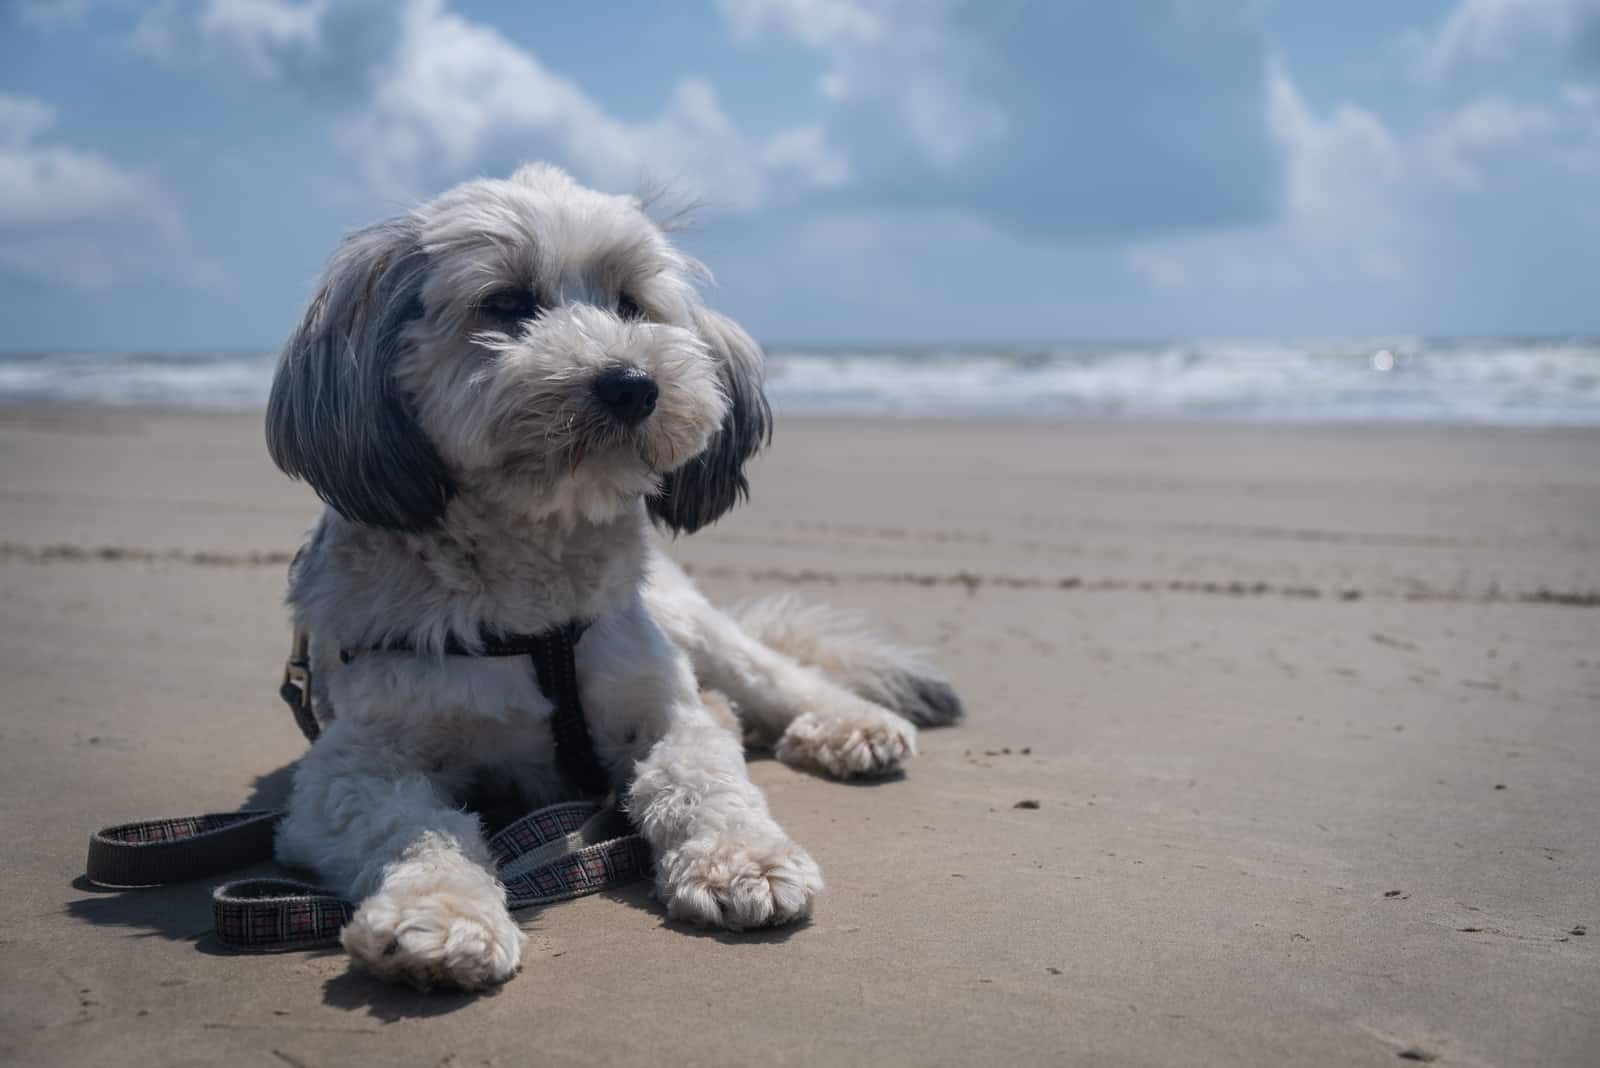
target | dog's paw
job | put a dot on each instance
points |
(736, 883)
(869, 742)
(460, 936)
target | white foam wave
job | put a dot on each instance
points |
(1535, 383)
(1394, 380)
(218, 381)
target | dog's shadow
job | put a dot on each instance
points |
(355, 990)
(759, 754)
(639, 896)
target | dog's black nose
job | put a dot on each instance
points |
(627, 393)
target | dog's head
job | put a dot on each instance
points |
(531, 338)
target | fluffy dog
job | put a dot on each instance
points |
(495, 395)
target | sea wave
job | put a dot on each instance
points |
(1510, 382)
(226, 381)
(1531, 383)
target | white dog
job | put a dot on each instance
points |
(495, 394)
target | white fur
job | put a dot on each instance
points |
(533, 513)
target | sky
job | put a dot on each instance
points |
(173, 173)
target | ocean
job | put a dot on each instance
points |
(1393, 380)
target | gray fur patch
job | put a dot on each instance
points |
(702, 490)
(337, 416)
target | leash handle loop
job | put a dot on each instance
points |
(154, 852)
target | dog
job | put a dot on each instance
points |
(499, 395)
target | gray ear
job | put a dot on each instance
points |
(337, 417)
(707, 486)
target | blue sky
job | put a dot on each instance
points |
(172, 174)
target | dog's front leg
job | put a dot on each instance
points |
(431, 911)
(721, 859)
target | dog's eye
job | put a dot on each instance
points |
(509, 305)
(628, 308)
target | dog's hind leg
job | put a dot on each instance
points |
(810, 720)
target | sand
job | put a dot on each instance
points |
(1311, 719)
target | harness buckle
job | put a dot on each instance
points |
(296, 686)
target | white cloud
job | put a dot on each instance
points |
(1440, 224)
(48, 185)
(1481, 129)
(1486, 33)
(1337, 166)
(1343, 222)
(1495, 123)
(910, 60)
(424, 96)
(458, 95)
(815, 22)
(947, 102)
(250, 39)
(22, 118)
(1041, 116)
(1362, 202)
(74, 217)
(805, 150)
(328, 51)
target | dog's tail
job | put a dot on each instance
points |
(841, 646)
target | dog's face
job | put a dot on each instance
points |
(538, 341)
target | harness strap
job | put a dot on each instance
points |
(555, 663)
(554, 656)
(551, 854)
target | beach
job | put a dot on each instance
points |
(1283, 747)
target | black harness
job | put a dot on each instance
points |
(553, 653)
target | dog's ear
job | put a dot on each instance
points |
(337, 416)
(703, 489)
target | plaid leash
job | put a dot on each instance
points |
(551, 854)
